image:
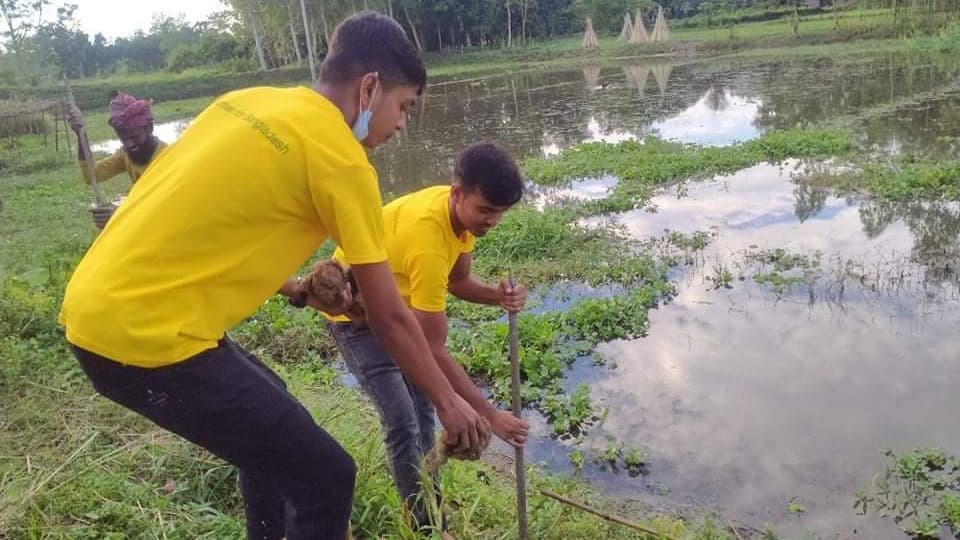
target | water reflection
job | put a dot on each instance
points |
(746, 399)
(930, 127)
(905, 104)
(595, 133)
(591, 74)
(745, 404)
(935, 227)
(584, 190)
(638, 75)
(761, 207)
(710, 102)
(719, 118)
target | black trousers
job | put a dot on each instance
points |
(296, 481)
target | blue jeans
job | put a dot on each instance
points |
(407, 416)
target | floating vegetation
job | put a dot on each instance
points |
(918, 489)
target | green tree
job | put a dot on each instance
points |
(19, 18)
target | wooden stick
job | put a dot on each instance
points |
(604, 515)
(517, 408)
(84, 143)
(734, 529)
(56, 132)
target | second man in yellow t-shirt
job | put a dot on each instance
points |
(429, 237)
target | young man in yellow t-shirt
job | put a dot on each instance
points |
(429, 237)
(215, 226)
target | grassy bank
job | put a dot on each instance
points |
(75, 466)
(904, 178)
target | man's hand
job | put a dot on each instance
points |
(512, 298)
(102, 214)
(509, 428)
(75, 119)
(350, 307)
(342, 309)
(465, 427)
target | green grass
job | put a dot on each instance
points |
(542, 248)
(944, 43)
(74, 466)
(642, 165)
(822, 24)
(764, 37)
(94, 94)
(903, 178)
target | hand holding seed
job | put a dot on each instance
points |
(331, 288)
(444, 449)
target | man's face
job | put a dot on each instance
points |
(137, 142)
(390, 111)
(474, 211)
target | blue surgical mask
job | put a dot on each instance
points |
(361, 128)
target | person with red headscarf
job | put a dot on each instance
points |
(132, 120)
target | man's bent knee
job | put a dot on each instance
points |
(334, 468)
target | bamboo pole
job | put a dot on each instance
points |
(606, 516)
(517, 407)
(84, 144)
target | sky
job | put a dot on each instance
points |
(114, 18)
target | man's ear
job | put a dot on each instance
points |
(456, 190)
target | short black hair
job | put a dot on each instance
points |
(369, 41)
(486, 167)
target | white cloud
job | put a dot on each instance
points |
(117, 19)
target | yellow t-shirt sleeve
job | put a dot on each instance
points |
(429, 274)
(349, 207)
(470, 244)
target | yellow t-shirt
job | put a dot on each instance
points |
(421, 247)
(253, 187)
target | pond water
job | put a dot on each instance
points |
(901, 103)
(746, 398)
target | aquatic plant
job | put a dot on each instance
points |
(919, 489)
